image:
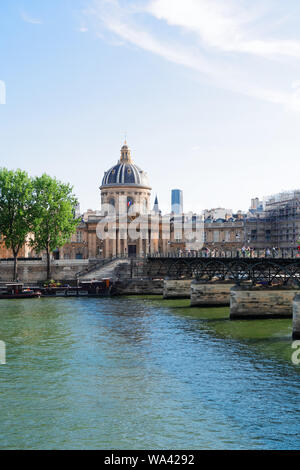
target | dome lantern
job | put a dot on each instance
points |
(125, 154)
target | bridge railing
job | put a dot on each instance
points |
(291, 253)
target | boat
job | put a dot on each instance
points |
(94, 288)
(18, 291)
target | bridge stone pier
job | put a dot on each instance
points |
(256, 302)
(210, 294)
(296, 317)
(177, 289)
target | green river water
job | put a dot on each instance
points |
(144, 373)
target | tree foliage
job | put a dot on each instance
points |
(54, 219)
(41, 210)
(16, 201)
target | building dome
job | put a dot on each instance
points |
(125, 172)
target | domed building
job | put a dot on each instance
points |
(125, 191)
(125, 199)
(125, 186)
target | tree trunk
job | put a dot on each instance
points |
(48, 266)
(15, 267)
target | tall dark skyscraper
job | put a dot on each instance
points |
(177, 201)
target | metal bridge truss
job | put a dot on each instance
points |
(283, 271)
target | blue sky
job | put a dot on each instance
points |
(208, 92)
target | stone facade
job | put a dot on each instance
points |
(5, 253)
(278, 225)
(84, 244)
(224, 235)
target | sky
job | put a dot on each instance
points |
(206, 91)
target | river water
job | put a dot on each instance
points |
(144, 373)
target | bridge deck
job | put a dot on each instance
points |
(265, 270)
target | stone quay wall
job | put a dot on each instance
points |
(254, 302)
(177, 289)
(138, 287)
(210, 294)
(36, 271)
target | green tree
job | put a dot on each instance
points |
(15, 210)
(54, 219)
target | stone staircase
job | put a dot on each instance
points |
(106, 271)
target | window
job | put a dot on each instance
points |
(178, 236)
(129, 203)
(253, 235)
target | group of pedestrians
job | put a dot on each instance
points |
(249, 252)
(244, 252)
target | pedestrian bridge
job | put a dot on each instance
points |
(278, 269)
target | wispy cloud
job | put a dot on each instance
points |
(222, 25)
(29, 19)
(220, 40)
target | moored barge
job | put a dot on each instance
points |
(18, 291)
(95, 288)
